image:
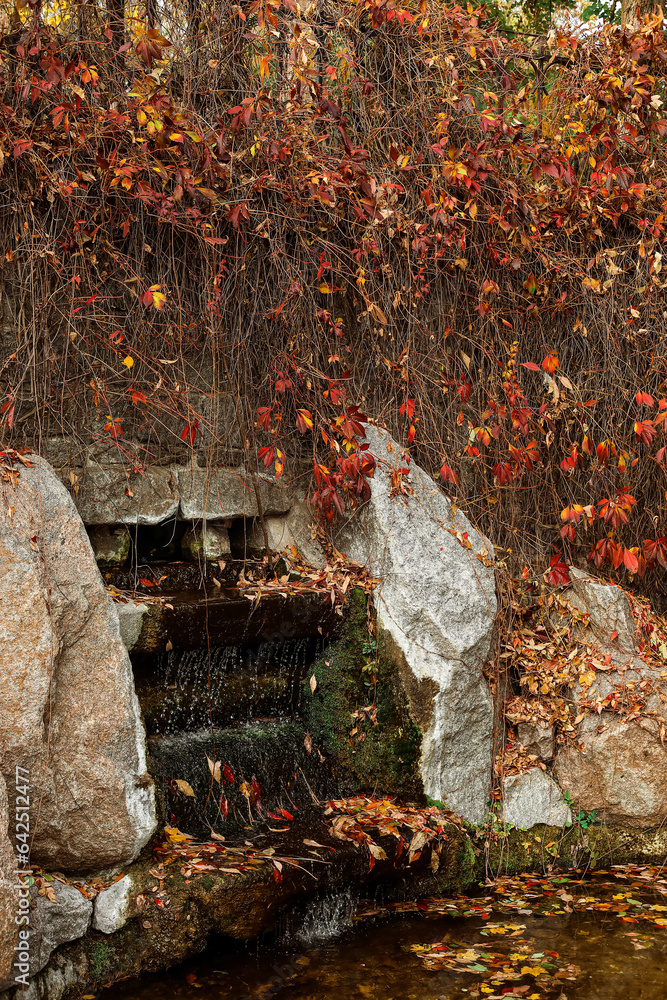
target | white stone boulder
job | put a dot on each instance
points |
(69, 710)
(437, 600)
(112, 906)
(532, 798)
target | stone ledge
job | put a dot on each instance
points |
(109, 495)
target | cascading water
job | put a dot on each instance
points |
(325, 920)
(188, 690)
(236, 704)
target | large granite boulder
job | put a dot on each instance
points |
(437, 600)
(68, 706)
(618, 770)
(8, 890)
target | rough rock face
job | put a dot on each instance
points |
(112, 907)
(208, 542)
(292, 530)
(211, 495)
(538, 739)
(67, 701)
(52, 924)
(608, 609)
(621, 772)
(437, 600)
(617, 769)
(8, 891)
(106, 496)
(532, 798)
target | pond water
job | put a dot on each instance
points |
(532, 937)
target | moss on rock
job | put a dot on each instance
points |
(370, 750)
(572, 847)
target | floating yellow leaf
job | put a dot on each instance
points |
(128, 361)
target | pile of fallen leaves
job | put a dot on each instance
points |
(333, 580)
(192, 857)
(558, 663)
(414, 829)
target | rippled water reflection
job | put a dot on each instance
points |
(611, 945)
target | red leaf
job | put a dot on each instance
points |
(449, 475)
(531, 365)
(228, 774)
(21, 147)
(630, 560)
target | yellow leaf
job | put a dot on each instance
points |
(128, 361)
(159, 298)
(185, 787)
(326, 289)
(587, 678)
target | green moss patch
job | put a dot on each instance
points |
(359, 713)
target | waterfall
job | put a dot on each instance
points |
(229, 683)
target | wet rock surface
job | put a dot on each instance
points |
(208, 542)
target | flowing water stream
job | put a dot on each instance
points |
(536, 938)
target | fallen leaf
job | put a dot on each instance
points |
(185, 787)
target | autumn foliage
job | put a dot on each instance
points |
(329, 212)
